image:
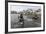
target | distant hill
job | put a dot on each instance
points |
(13, 12)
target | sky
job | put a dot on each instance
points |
(19, 8)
